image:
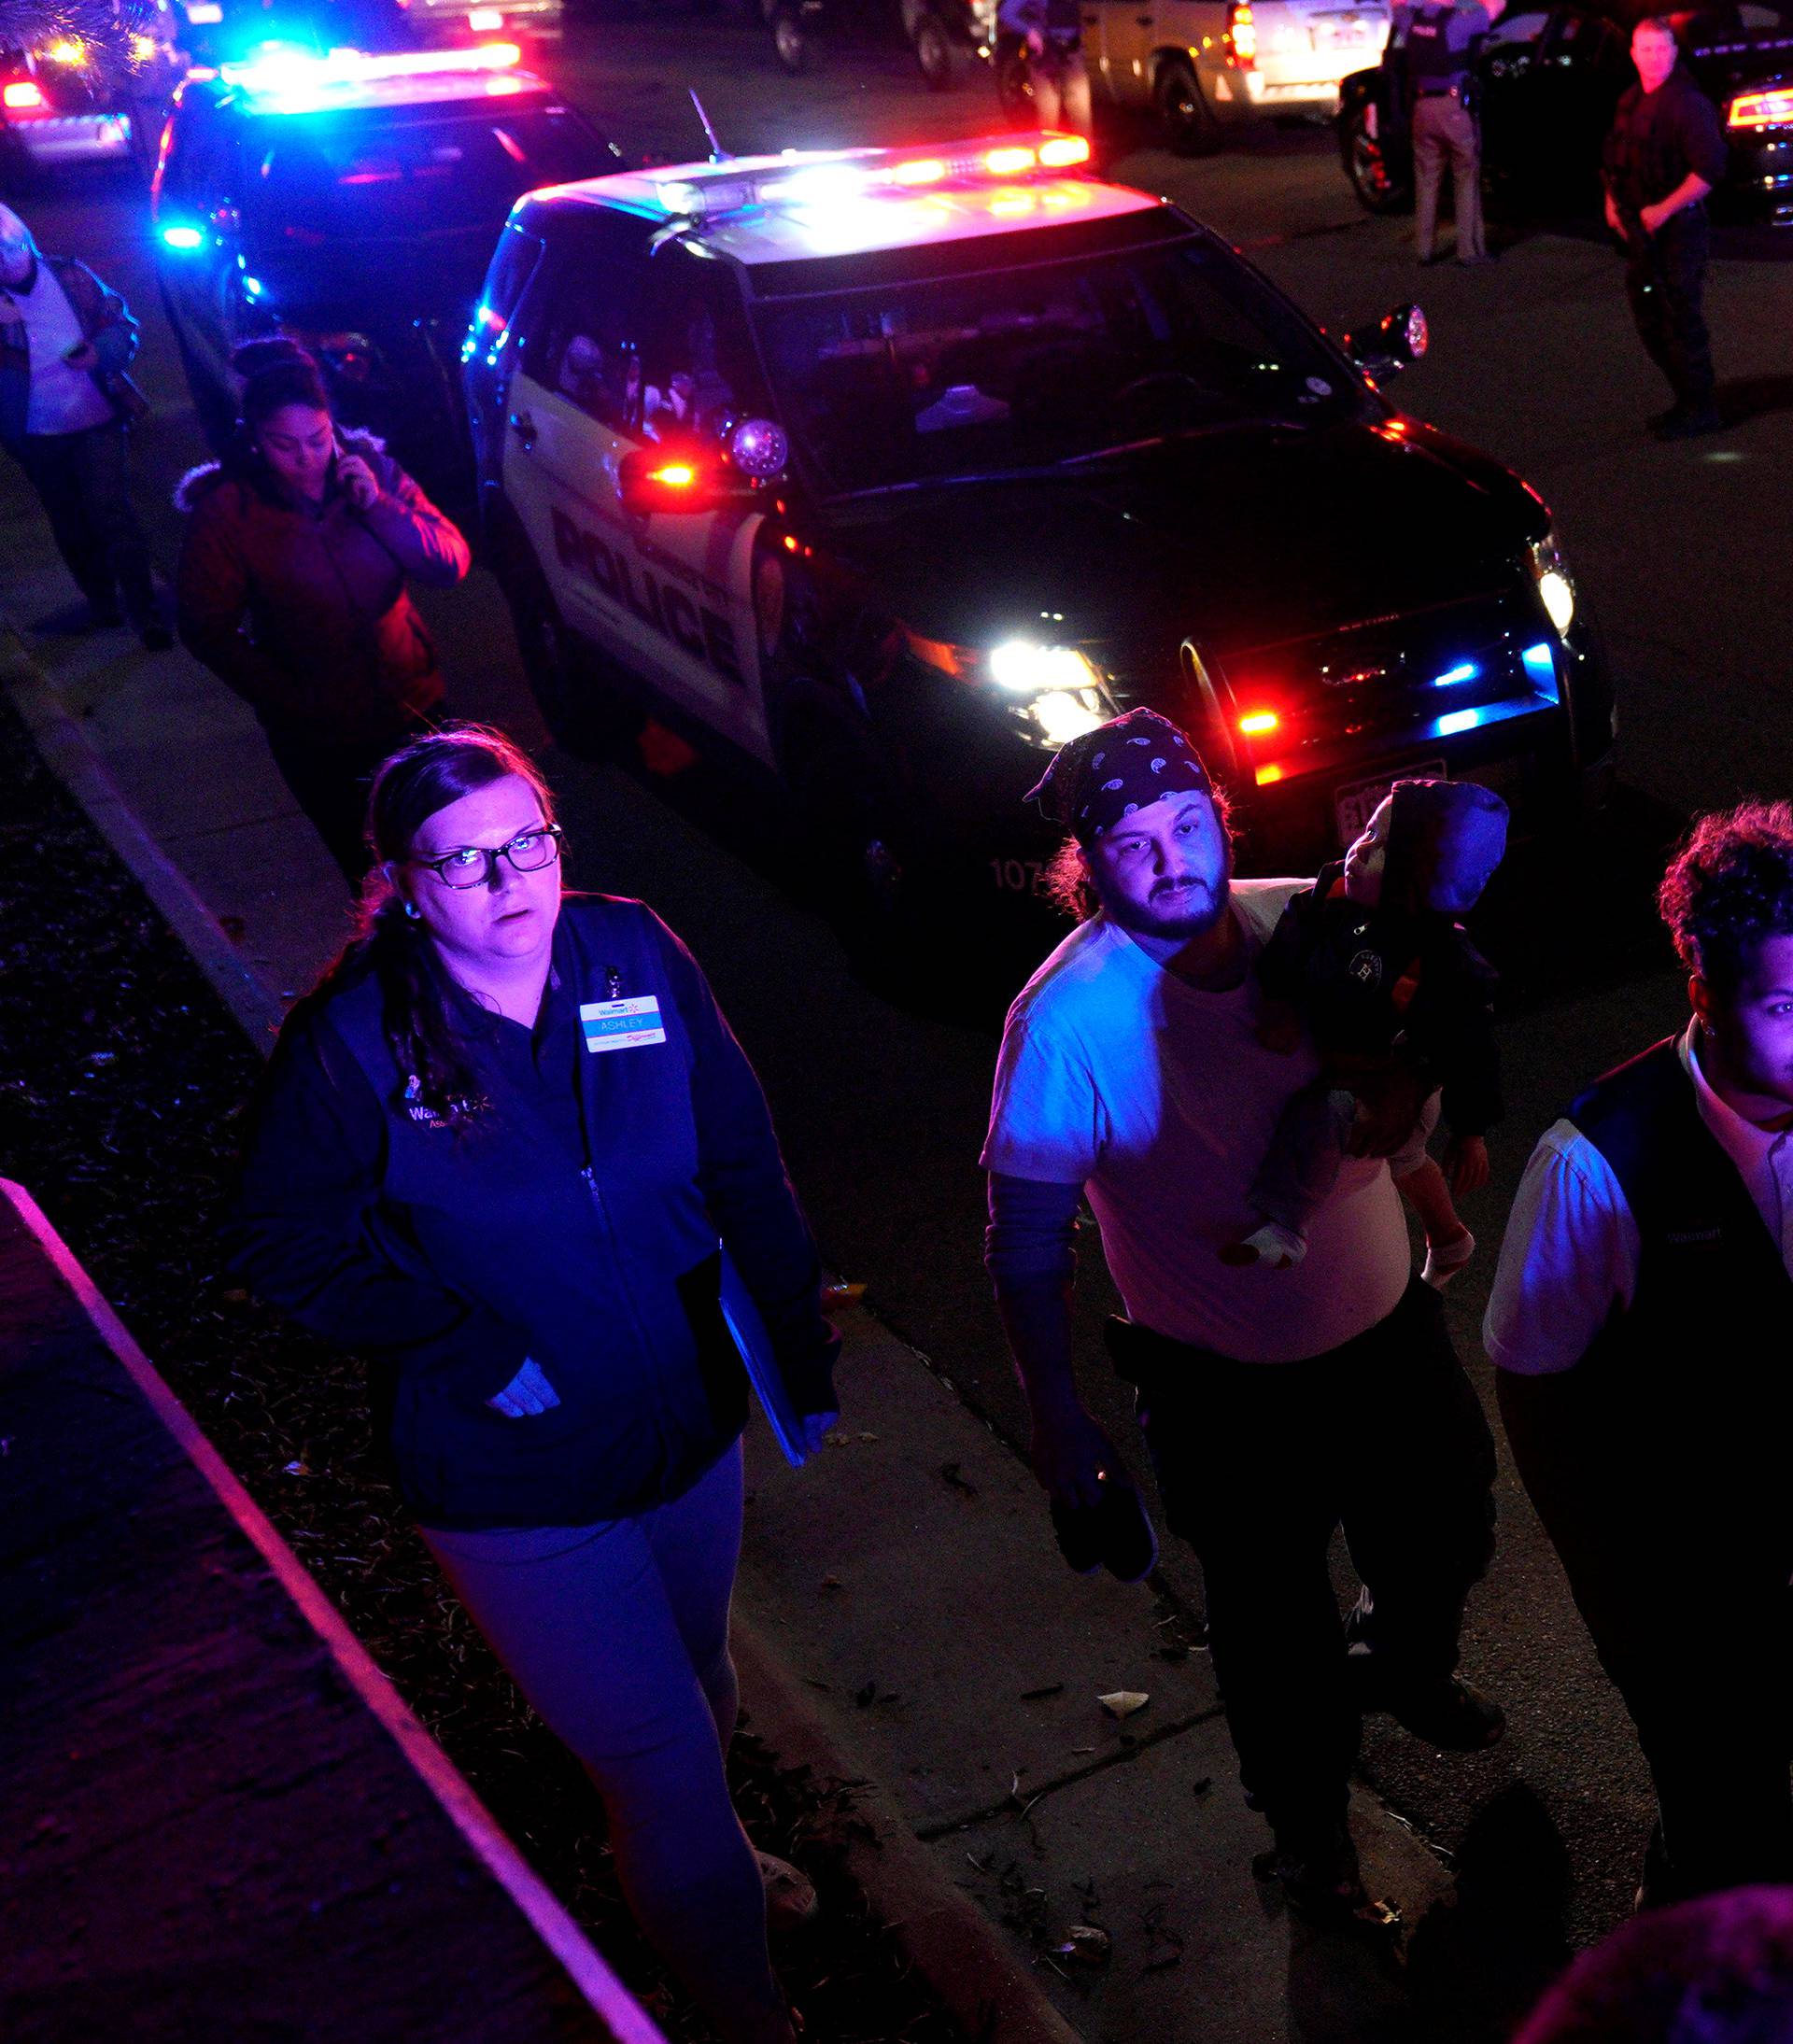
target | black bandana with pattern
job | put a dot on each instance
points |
(1099, 779)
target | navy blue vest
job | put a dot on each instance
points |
(1693, 1380)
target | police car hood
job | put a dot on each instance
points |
(375, 287)
(1237, 539)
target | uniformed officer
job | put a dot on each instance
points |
(1431, 46)
(1665, 153)
(1054, 33)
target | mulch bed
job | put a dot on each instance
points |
(121, 1078)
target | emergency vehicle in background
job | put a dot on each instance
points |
(64, 101)
(881, 473)
(351, 202)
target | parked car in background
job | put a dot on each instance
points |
(1209, 67)
(1548, 81)
(63, 101)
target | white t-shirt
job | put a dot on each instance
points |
(63, 400)
(1571, 1249)
(1157, 1098)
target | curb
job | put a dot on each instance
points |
(963, 1956)
(65, 751)
(950, 1942)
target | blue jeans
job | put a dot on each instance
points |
(617, 1633)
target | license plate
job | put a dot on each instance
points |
(1355, 804)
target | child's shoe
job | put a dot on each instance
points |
(1278, 1247)
(1441, 1265)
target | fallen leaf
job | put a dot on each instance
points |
(1086, 1945)
(1123, 1702)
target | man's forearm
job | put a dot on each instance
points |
(1037, 1320)
(1689, 191)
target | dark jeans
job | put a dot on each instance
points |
(331, 783)
(80, 477)
(1665, 279)
(1258, 1464)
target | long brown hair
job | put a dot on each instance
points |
(421, 1008)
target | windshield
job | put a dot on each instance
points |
(379, 175)
(1028, 368)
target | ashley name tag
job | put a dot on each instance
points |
(621, 1025)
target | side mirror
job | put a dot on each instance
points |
(1398, 338)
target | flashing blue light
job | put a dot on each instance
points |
(251, 286)
(1458, 720)
(182, 237)
(1540, 664)
(1465, 671)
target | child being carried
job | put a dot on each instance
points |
(1371, 962)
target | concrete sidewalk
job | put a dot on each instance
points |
(907, 1581)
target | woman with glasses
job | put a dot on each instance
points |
(502, 1151)
(291, 589)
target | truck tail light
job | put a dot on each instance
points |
(24, 97)
(1259, 723)
(1242, 36)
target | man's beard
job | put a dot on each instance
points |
(1185, 911)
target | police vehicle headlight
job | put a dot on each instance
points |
(1556, 584)
(1059, 692)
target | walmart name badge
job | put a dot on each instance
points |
(622, 1026)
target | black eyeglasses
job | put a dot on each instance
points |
(476, 866)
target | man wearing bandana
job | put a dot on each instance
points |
(1276, 1406)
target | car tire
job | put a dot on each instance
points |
(1188, 122)
(1376, 188)
(935, 53)
(589, 712)
(842, 864)
(793, 44)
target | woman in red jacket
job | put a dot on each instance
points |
(291, 589)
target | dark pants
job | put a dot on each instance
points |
(1665, 279)
(331, 783)
(80, 478)
(1258, 1464)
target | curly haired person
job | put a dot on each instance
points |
(1640, 1321)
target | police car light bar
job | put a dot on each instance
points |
(841, 177)
(291, 71)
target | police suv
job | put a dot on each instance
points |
(884, 472)
(350, 202)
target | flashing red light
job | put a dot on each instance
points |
(675, 474)
(23, 96)
(924, 170)
(1010, 162)
(1060, 151)
(1242, 35)
(1259, 723)
(1772, 109)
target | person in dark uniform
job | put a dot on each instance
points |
(510, 1151)
(1430, 49)
(1652, 1232)
(1665, 153)
(1054, 33)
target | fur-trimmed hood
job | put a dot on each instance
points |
(242, 463)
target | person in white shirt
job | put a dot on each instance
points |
(1641, 1322)
(65, 402)
(1276, 1404)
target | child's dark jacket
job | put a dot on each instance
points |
(1371, 982)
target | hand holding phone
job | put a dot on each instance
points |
(358, 481)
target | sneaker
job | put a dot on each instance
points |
(1317, 1866)
(790, 1895)
(1443, 1712)
(1278, 1248)
(1441, 1265)
(1693, 422)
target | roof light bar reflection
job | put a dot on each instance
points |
(1465, 671)
(1458, 720)
(1540, 664)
